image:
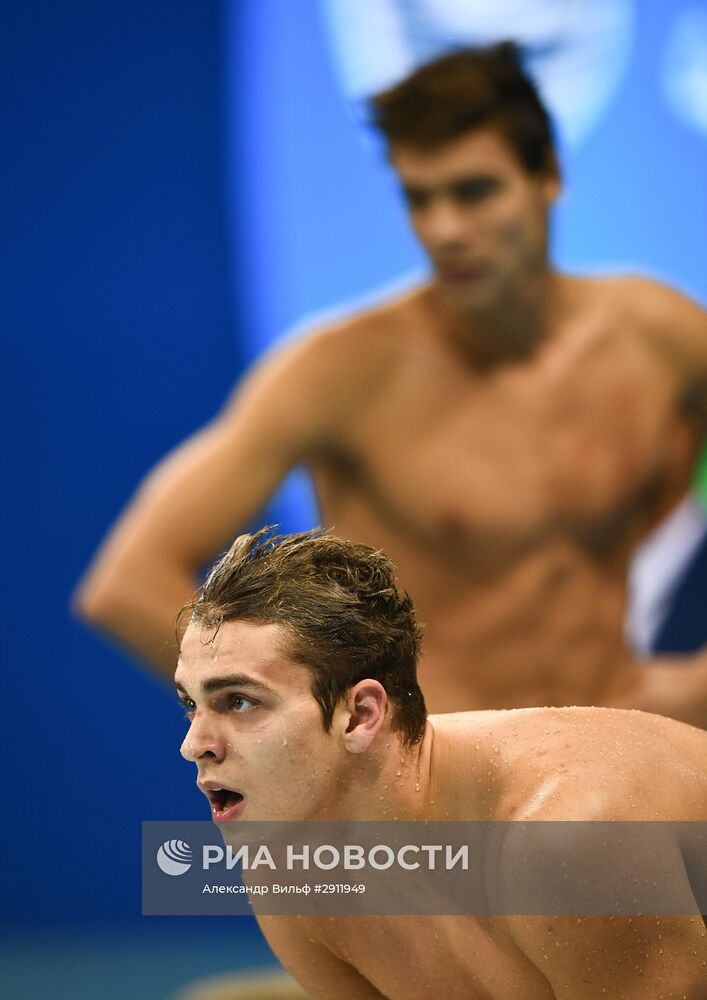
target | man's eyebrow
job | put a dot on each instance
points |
(233, 680)
(459, 180)
(475, 177)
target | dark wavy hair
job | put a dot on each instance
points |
(340, 610)
(467, 89)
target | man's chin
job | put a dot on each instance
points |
(476, 293)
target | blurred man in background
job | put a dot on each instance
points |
(507, 433)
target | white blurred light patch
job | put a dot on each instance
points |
(577, 50)
(684, 70)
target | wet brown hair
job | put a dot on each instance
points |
(467, 89)
(344, 618)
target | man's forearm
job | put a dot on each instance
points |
(138, 610)
(675, 686)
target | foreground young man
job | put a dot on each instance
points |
(298, 674)
(507, 433)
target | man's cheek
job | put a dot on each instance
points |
(256, 724)
(511, 230)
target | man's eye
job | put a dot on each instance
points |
(189, 708)
(240, 703)
(470, 191)
(415, 198)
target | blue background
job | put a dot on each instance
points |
(183, 182)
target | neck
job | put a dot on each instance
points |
(509, 329)
(389, 781)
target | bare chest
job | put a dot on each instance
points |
(514, 457)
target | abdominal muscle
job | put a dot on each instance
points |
(543, 628)
(547, 632)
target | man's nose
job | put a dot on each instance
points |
(204, 739)
(445, 223)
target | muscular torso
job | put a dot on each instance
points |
(510, 498)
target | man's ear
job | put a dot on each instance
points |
(552, 189)
(366, 704)
(552, 179)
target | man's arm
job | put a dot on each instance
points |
(622, 958)
(674, 323)
(201, 495)
(323, 974)
(676, 326)
(674, 686)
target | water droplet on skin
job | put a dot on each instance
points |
(398, 773)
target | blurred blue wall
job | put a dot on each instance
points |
(183, 182)
(118, 340)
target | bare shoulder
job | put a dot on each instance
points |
(352, 354)
(637, 292)
(368, 337)
(672, 320)
(309, 386)
(592, 764)
(645, 294)
(613, 764)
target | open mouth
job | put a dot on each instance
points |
(222, 798)
(225, 803)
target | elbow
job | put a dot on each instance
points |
(94, 602)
